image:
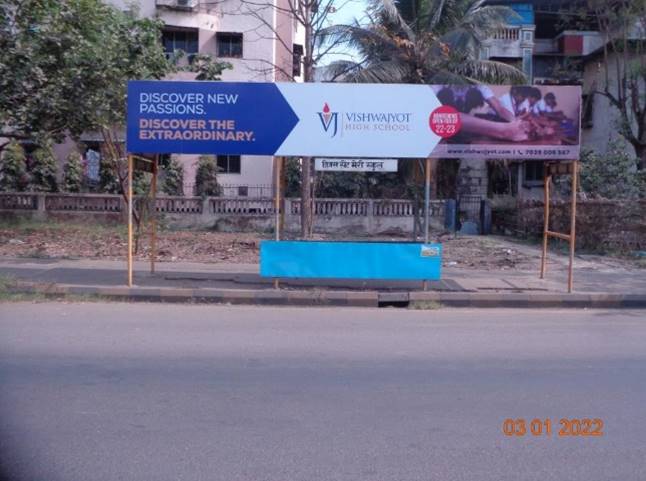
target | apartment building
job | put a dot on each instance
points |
(251, 36)
(552, 48)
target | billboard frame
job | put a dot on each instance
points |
(552, 168)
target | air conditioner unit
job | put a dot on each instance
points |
(177, 4)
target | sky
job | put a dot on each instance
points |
(348, 11)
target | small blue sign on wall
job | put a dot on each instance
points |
(350, 260)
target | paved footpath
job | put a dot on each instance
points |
(595, 285)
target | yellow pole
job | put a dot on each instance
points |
(575, 177)
(153, 218)
(278, 162)
(130, 200)
(283, 187)
(427, 200)
(547, 179)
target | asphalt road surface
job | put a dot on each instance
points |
(96, 391)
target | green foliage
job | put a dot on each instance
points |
(206, 177)
(421, 42)
(613, 174)
(44, 169)
(64, 65)
(292, 177)
(108, 178)
(207, 68)
(141, 182)
(621, 72)
(73, 176)
(173, 183)
(370, 185)
(13, 169)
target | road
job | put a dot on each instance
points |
(109, 391)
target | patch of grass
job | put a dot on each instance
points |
(38, 297)
(30, 226)
(6, 282)
(9, 292)
(425, 305)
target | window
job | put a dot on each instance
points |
(297, 54)
(587, 104)
(229, 44)
(534, 170)
(229, 164)
(243, 191)
(185, 40)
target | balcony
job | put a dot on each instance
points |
(510, 42)
(186, 5)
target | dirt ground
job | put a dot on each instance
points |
(73, 241)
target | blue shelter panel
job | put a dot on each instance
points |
(350, 260)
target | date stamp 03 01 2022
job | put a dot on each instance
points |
(543, 427)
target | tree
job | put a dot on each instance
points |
(611, 175)
(206, 68)
(173, 178)
(312, 16)
(206, 177)
(622, 77)
(13, 168)
(64, 65)
(109, 181)
(423, 42)
(73, 176)
(44, 169)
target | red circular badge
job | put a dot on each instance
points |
(445, 121)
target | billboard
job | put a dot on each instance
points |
(353, 120)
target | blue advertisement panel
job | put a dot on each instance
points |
(350, 260)
(207, 117)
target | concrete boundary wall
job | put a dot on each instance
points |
(343, 216)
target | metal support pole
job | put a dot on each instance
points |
(283, 187)
(547, 179)
(575, 177)
(427, 199)
(130, 200)
(277, 165)
(153, 218)
(277, 162)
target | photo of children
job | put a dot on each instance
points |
(519, 115)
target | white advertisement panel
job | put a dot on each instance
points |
(360, 120)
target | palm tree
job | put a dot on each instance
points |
(422, 42)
